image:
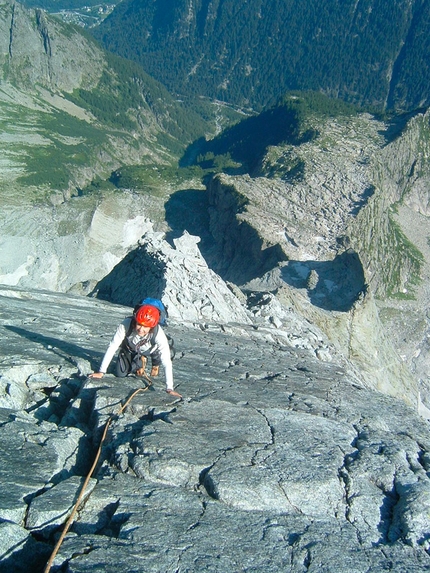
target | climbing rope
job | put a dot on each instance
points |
(87, 479)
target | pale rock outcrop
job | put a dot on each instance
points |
(178, 275)
(71, 246)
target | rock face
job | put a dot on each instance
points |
(180, 276)
(338, 241)
(306, 214)
(274, 460)
(70, 246)
(36, 50)
(282, 455)
(329, 245)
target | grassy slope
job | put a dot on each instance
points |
(60, 142)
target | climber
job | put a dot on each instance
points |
(139, 337)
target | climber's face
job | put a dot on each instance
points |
(142, 330)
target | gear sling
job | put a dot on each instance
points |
(129, 359)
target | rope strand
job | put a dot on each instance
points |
(87, 479)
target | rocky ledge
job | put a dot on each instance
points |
(273, 461)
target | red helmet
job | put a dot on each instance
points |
(147, 315)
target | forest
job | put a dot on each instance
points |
(371, 53)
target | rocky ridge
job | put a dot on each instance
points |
(326, 268)
(282, 455)
(324, 235)
(277, 446)
(327, 242)
(275, 458)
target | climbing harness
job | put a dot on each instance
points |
(93, 467)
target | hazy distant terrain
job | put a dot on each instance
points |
(81, 12)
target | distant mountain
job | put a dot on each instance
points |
(249, 53)
(69, 111)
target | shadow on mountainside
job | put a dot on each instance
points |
(188, 209)
(332, 285)
(397, 124)
(138, 275)
(241, 144)
(232, 248)
(67, 350)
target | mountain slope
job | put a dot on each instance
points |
(71, 115)
(273, 461)
(70, 111)
(328, 209)
(248, 53)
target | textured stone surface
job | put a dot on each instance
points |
(46, 454)
(274, 460)
(179, 275)
(361, 191)
(280, 456)
(52, 508)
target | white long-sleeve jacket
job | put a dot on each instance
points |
(160, 343)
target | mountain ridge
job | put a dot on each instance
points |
(272, 457)
(292, 252)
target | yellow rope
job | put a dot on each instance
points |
(87, 479)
